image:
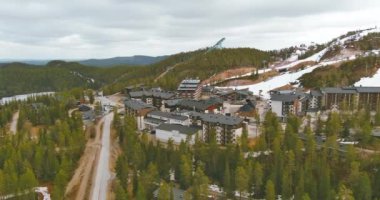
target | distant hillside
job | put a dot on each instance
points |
(138, 60)
(344, 74)
(133, 60)
(364, 49)
(20, 78)
(200, 63)
(168, 71)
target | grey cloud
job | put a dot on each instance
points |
(103, 28)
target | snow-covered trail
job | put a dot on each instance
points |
(103, 173)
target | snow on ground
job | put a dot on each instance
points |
(260, 71)
(292, 58)
(44, 191)
(23, 97)
(373, 81)
(276, 82)
(41, 190)
(283, 79)
(316, 58)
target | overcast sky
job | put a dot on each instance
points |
(73, 29)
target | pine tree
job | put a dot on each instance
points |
(165, 191)
(270, 191)
(141, 193)
(306, 197)
(300, 188)
(59, 184)
(286, 186)
(258, 176)
(28, 180)
(244, 140)
(241, 180)
(185, 172)
(2, 183)
(120, 193)
(227, 180)
(200, 184)
(344, 193)
(363, 189)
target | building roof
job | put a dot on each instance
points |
(136, 105)
(84, 108)
(248, 107)
(339, 90)
(368, 89)
(153, 120)
(172, 102)
(221, 119)
(288, 97)
(200, 104)
(189, 130)
(316, 93)
(154, 92)
(88, 115)
(167, 115)
(243, 92)
(189, 84)
(351, 90)
(215, 118)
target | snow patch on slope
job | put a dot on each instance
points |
(284, 79)
(373, 81)
(23, 97)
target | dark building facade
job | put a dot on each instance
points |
(190, 88)
(351, 98)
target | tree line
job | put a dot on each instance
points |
(280, 163)
(44, 156)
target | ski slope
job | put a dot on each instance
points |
(373, 81)
(284, 79)
(276, 82)
(264, 87)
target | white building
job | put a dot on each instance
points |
(155, 118)
(287, 103)
(177, 133)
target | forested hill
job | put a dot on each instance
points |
(19, 78)
(132, 60)
(200, 63)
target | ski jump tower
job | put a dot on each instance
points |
(218, 45)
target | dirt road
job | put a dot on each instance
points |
(102, 173)
(91, 178)
(79, 186)
(13, 128)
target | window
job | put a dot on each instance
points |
(149, 101)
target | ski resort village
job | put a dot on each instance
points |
(217, 123)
